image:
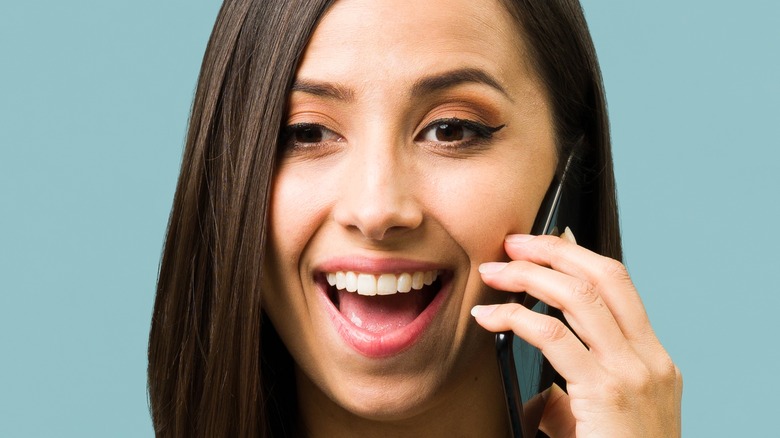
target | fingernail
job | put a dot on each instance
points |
(568, 236)
(519, 238)
(482, 311)
(491, 267)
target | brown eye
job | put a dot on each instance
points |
(308, 135)
(456, 132)
(449, 132)
(311, 134)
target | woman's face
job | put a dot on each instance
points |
(419, 137)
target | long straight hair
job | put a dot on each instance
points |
(216, 367)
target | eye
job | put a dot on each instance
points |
(447, 132)
(456, 131)
(305, 135)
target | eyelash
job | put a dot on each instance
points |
(481, 133)
(289, 142)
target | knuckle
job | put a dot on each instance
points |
(552, 330)
(615, 270)
(613, 387)
(667, 372)
(551, 243)
(553, 247)
(640, 380)
(513, 312)
(666, 368)
(584, 292)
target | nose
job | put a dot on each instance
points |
(377, 197)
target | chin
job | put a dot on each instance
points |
(389, 400)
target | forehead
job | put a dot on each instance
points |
(404, 39)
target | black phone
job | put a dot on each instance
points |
(531, 374)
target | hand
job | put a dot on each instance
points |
(621, 382)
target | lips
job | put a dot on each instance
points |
(378, 313)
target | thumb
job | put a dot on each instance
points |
(557, 419)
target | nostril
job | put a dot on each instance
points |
(374, 233)
(379, 234)
(378, 199)
(380, 224)
(392, 231)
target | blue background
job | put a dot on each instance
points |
(94, 98)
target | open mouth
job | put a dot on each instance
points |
(383, 303)
(380, 304)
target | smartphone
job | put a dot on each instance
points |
(525, 372)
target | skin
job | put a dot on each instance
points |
(375, 181)
(623, 383)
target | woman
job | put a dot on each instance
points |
(357, 176)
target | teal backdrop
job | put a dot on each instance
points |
(94, 99)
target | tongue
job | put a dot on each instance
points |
(382, 313)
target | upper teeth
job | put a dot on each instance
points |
(383, 284)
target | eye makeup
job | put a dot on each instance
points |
(456, 132)
(452, 122)
(311, 140)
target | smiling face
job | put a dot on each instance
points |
(418, 137)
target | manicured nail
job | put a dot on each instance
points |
(519, 238)
(568, 236)
(482, 311)
(491, 267)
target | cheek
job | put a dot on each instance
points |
(483, 204)
(296, 211)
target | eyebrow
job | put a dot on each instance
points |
(440, 82)
(427, 85)
(324, 89)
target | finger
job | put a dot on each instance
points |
(558, 420)
(533, 409)
(565, 352)
(608, 276)
(581, 304)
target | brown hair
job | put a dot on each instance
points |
(216, 368)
